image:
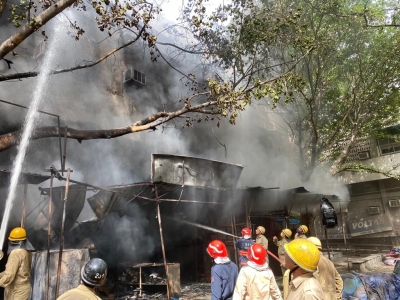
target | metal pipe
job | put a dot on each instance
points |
(233, 226)
(140, 197)
(62, 233)
(59, 143)
(65, 149)
(19, 105)
(162, 243)
(49, 215)
(140, 281)
(24, 206)
(344, 236)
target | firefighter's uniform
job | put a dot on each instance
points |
(256, 282)
(223, 279)
(81, 292)
(329, 278)
(243, 245)
(15, 278)
(281, 251)
(305, 287)
(262, 240)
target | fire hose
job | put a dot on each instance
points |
(274, 256)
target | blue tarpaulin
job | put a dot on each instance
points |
(371, 286)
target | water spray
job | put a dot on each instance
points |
(221, 232)
(29, 124)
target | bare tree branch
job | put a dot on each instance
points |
(78, 67)
(10, 140)
(12, 42)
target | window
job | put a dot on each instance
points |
(388, 146)
(135, 75)
(139, 77)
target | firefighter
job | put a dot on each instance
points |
(256, 280)
(327, 275)
(261, 239)
(93, 274)
(301, 232)
(301, 258)
(16, 277)
(285, 238)
(243, 244)
(223, 274)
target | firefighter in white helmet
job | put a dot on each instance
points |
(285, 238)
(301, 259)
(16, 277)
(327, 275)
(256, 280)
(261, 239)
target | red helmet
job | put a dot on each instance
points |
(217, 249)
(257, 254)
(246, 231)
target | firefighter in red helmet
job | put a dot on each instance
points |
(223, 274)
(243, 244)
(256, 280)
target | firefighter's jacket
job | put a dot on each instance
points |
(82, 292)
(281, 251)
(262, 240)
(243, 245)
(15, 278)
(223, 280)
(300, 236)
(305, 287)
(255, 283)
(329, 278)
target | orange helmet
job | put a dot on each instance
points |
(246, 231)
(217, 249)
(257, 254)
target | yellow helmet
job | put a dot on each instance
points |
(17, 234)
(287, 232)
(304, 228)
(303, 253)
(316, 241)
(262, 229)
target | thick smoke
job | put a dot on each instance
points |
(88, 99)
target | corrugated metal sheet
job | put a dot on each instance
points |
(28, 178)
(72, 262)
(186, 170)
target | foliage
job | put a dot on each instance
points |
(348, 85)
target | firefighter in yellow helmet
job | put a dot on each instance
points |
(15, 278)
(327, 275)
(301, 258)
(261, 239)
(285, 238)
(301, 232)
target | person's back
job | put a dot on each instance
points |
(93, 274)
(223, 274)
(256, 283)
(81, 292)
(223, 279)
(256, 280)
(327, 275)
